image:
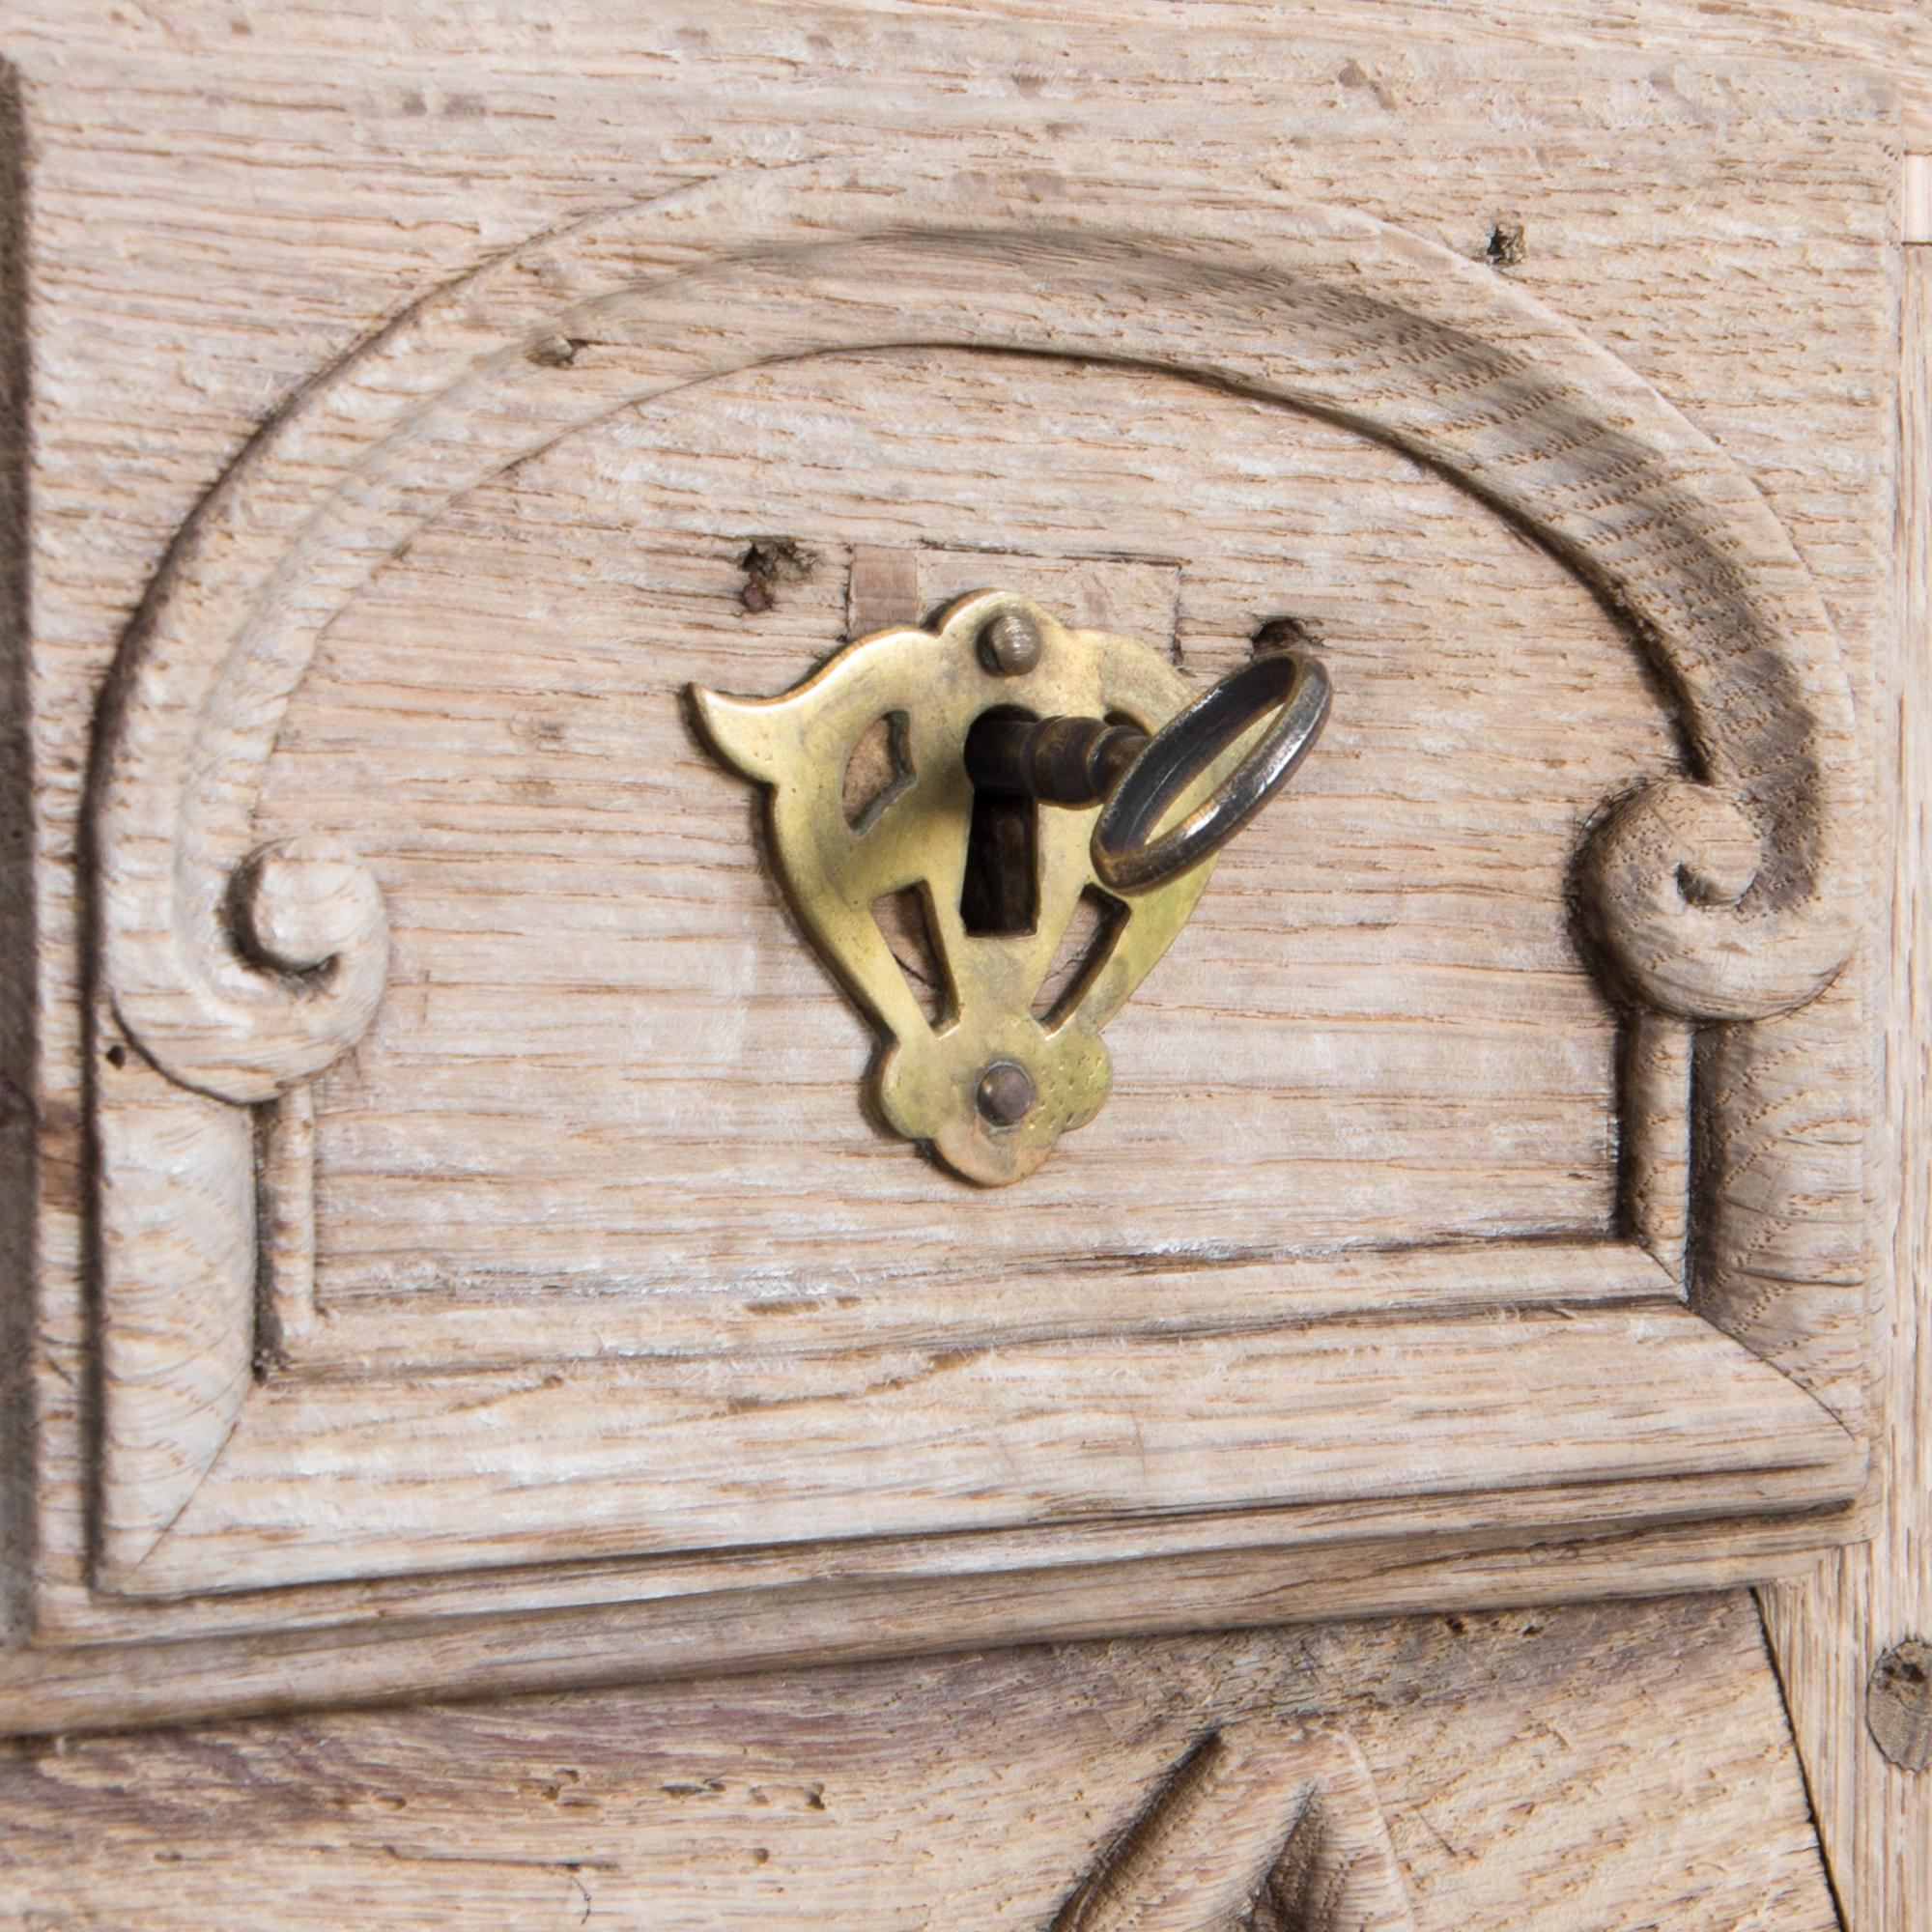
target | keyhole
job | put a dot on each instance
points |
(1000, 890)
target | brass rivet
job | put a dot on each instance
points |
(1011, 644)
(1006, 1094)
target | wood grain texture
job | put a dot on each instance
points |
(19, 1129)
(1474, 1764)
(1831, 1630)
(449, 148)
(1728, 893)
(330, 1479)
(103, 1663)
(1723, 895)
(1274, 1825)
(1375, 1029)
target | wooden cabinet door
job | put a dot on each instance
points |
(468, 1243)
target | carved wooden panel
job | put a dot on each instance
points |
(1339, 1779)
(469, 1224)
(236, 968)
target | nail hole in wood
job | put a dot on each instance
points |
(768, 562)
(1283, 634)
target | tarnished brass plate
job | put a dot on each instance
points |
(932, 685)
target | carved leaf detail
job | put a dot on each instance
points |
(1256, 1830)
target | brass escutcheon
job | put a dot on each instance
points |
(1094, 736)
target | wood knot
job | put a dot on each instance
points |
(768, 562)
(1898, 1704)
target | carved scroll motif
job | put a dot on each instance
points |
(241, 972)
(1726, 897)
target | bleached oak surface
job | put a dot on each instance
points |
(1476, 1772)
(606, 1069)
(1873, 1604)
(600, 1136)
(232, 969)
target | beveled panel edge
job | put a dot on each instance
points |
(1458, 1420)
(71, 1681)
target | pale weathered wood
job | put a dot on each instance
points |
(384, 1642)
(19, 1127)
(1275, 1824)
(1510, 1790)
(1637, 502)
(1391, 1019)
(493, 705)
(217, 213)
(1836, 1631)
(333, 1479)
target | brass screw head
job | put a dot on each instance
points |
(1006, 1094)
(1011, 644)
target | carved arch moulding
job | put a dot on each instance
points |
(1728, 1319)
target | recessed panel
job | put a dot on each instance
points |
(608, 1068)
